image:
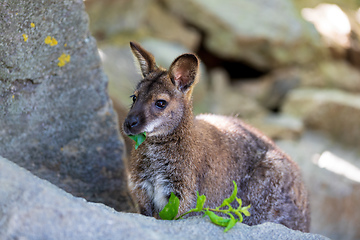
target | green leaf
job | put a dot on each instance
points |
(200, 202)
(139, 139)
(239, 202)
(171, 209)
(229, 200)
(245, 211)
(231, 223)
(239, 216)
(217, 220)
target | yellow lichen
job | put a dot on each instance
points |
(32, 25)
(51, 41)
(63, 59)
(25, 36)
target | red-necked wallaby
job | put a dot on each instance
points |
(184, 154)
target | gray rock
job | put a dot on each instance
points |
(33, 209)
(263, 33)
(332, 174)
(271, 89)
(332, 111)
(119, 21)
(225, 100)
(278, 126)
(58, 121)
(331, 74)
(109, 17)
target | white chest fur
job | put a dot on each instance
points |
(158, 190)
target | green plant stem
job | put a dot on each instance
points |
(208, 209)
(192, 210)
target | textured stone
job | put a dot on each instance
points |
(279, 126)
(109, 17)
(33, 209)
(271, 89)
(332, 111)
(332, 175)
(263, 33)
(331, 74)
(58, 121)
(225, 100)
(119, 21)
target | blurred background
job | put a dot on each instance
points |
(288, 67)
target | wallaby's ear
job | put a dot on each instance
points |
(145, 59)
(183, 71)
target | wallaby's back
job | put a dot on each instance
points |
(183, 154)
(268, 179)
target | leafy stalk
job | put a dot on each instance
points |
(171, 209)
(236, 215)
(139, 139)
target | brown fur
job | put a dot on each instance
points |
(183, 154)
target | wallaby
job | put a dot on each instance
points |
(184, 154)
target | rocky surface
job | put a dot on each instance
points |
(56, 117)
(332, 75)
(122, 21)
(332, 111)
(28, 204)
(243, 29)
(332, 175)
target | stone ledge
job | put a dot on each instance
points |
(32, 209)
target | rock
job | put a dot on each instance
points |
(32, 209)
(332, 23)
(271, 89)
(331, 74)
(332, 174)
(225, 100)
(109, 17)
(118, 21)
(277, 126)
(56, 117)
(338, 24)
(121, 70)
(262, 33)
(332, 111)
(353, 51)
(162, 24)
(313, 3)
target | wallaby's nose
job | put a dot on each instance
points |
(132, 121)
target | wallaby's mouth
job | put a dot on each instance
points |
(139, 139)
(132, 126)
(131, 131)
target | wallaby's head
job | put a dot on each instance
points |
(162, 97)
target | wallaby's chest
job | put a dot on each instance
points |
(157, 190)
(154, 177)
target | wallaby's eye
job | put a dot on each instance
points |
(133, 98)
(161, 104)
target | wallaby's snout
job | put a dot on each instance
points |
(135, 121)
(130, 124)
